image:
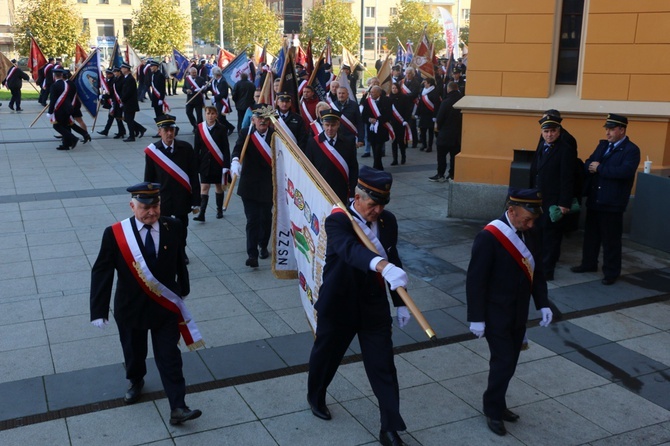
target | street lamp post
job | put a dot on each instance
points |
(362, 31)
(221, 23)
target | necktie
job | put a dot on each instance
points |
(547, 147)
(332, 141)
(609, 148)
(169, 150)
(149, 246)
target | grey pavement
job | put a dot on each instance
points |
(600, 376)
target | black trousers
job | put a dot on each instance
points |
(196, 107)
(164, 340)
(415, 134)
(551, 235)
(330, 345)
(427, 143)
(16, 97)
(68, 138)
(158, 109)
(603, 228)
(142, 90)
(399, 143)
(133, 126)
(259, 225)
(121, 130)
(44, 95)
(505, 346)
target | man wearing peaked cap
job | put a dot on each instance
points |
(156, 250)
(552, 171)
(129, 103)
(14, 81)
(610, 172)
(292, 120)
(334, 156)
(504, 271)
(60, 109)
(353, 301)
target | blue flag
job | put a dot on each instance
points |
(87, 82)
(238, 66)
(182, 63)
(278, 64)
(117, 59)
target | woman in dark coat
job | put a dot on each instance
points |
(429, 104)
(402, 110)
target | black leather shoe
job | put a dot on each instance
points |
(129, 140)
(365, 155)
(141, 133)
(103, 133)
(583, 269)
(134, 392)
(186, 259)
(390, 438)
(119, 135)
(199, 217)
(62, 147)
(264, 254)
(231, 130)
(320, 410)
(219, 213)
(608, 281)
(496, 426)
(74, 143)
(252, 262)
(19, 109)
(87, 138)
(178, 416)
(510, 416)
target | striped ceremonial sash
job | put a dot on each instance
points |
(159, 293)
(305, 111)
(262, 146)
(63, 96)
(211, 145)
(334, 156)
(316, 128)
(301, 88)
(224, 101)
(169, 166)
(514, 245)
(47, 70)
(376, 113)
(194, 86)
(426, 101)
(10, 73)
(348, 124)
(157, 94)
(116, 95)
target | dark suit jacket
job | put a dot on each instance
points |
(131, 305)
(157, 81)
(296, 124)
(351, 294)
(554, 174)
(353, 113)
(256, 178)
(497, 290)
(62, 113)
(16, 81)
(207, 165)
(403, 103)
(449, 121)
(385, 109)
(609, 188)
(128, 93)
(423, 112)
(175, 199)
(243, 94)
(346, 147)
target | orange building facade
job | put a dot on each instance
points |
(519, 54)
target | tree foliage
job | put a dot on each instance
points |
(408, 24)
(157, 27)
(55, 24)
(245, 22)
(331, 19)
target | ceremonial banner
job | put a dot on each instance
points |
(36, 60)
(116, 59)
(238, 66)
(5, 66)
(267, 91)
(423, 59)
(278, 64)
(289, 82)
(223, 58)
(385, 76)
(400, 54)
(449, 27)
(132, 57)
(80, 55)
(87, 82)
(181, 62)
(309, 59)
(409, 53)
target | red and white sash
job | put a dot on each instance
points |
(116, 95)
(47, 70)
(514, 245)
(169, 166)
(376, 114)
(63, 96)
(10, 73)
(211, 145)
(424, 98)
(316, 128)
(193, 85)
(224, 101)
(301, 87)
(262, 146)
(398, 117)
(157, 95)
(158, 292)
(348, 125)
(305, 111)
(334, 156)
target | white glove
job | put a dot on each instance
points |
(547, 316)
(477, 328)
(236, 167)
(100, 323)
(403, 316)
(225, 171)
(395, 276)
(214, 103)
(100, 97)
(160, 102)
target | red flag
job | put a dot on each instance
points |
(309, 59)
(300, 56)
(36, 60)
(423, 58)
(80, 54)
(224, 58)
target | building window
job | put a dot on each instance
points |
(370, 12)
(369, 42)
(465, 14)
(394, 11)
(82, 1)
(127, 27)
(569, 42)
(85, 28)
(105, 27)
(103, 2)
(125, 2)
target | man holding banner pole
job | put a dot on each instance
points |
(352, 301)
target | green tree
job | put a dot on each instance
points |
(55, 24)
(245, 22)
(465, 35)
(331, 19)
(409, 22)
(157, 27)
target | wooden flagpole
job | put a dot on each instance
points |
(231, 188)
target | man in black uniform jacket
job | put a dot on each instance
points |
(159, 242)
(129, 104)
(256, 187)
(60, 109)
(334, 156)
(505, 270)
(293, 120)
(193, 87)
(352, 301)
(156, 88)
(14, 81)
(377, 112)
(180, 190)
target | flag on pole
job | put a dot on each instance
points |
(400, 54)
(289, 81)
(309, 59)
(320, 78)
(236, 67)
(300, 56)
(409, 53)
(80, 54)
(449, 27)
(87, 82)
(116, 59)
(181, 62)
(132, 57)
(423, 59)
(36, 60)
(267, 91)
(5, 66)
(278, 65)
(223, 58)
(385, 77)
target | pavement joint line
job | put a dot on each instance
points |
(302, 368)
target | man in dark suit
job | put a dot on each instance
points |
(243, 95)
(553, 173)
(377, 112)
(293, 120)
(14, 81)
(60, 109)
(448, 125)
(115, 86)
(504, 271)
(351, 121)
(219, 88)
(412, 87)
(194, 87)
(353, 301)
(129, 104)
(334, 156)
(45, 79)
(157, 88)
(172, 163)
(610, 174)
(146, 247)
(256, 187)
